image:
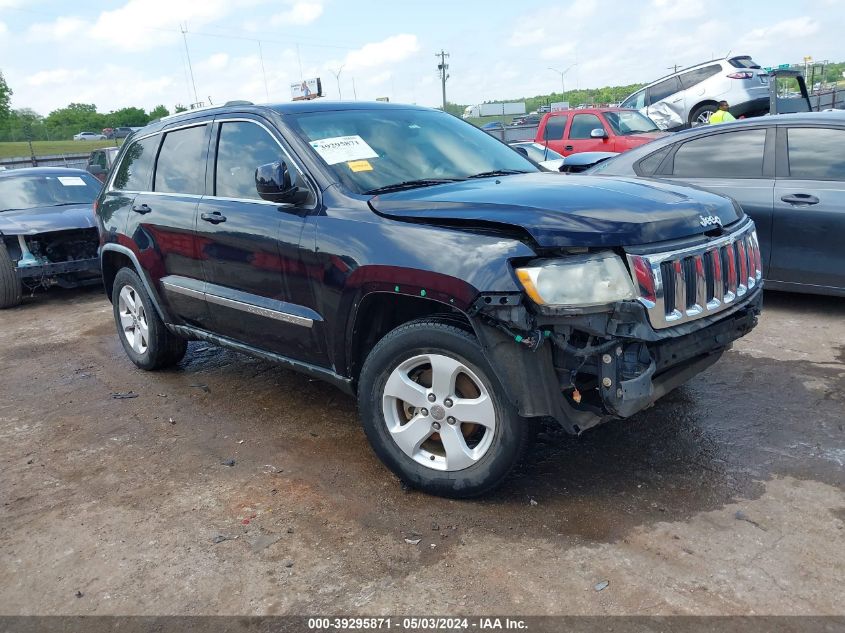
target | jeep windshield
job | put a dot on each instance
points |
(625, 122)
(53, 190)
(388, 149)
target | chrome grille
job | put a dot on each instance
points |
(689, 283)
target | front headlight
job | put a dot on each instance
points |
(578, 281)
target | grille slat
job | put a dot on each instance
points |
(695, 282)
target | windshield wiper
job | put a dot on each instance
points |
(498, 172)
(411, 184)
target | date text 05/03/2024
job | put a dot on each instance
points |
(416, 624)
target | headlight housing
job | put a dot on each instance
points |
(578, 281)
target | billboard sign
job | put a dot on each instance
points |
(306, 89)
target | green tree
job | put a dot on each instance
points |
(5, 98)
(179, 108)
(132, 117)
(158, 112)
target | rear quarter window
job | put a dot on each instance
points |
(693, 77)
(648, 165)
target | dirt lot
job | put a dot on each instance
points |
(725, 498)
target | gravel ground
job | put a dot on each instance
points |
(725, 498)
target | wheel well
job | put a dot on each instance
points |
(381, 312)
(709, 102)
(112, 262)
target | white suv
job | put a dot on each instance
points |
(690, 96)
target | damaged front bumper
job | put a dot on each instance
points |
(42, 271)
(584, 369)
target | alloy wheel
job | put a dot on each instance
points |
(133, 320)
(439, 412)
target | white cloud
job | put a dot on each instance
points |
(663, 11)
(558, 51)
(139, 25)
(299, 14)
(60, 29)
(379, 78)
(55, 76)
(389, 51)
(3, 28)
(218, 61)
(803, 26)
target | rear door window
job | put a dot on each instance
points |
(729, 155)
(635, 101)
(583, 124)
(816, 153)
(555, 125)
(693, 77)
(663, 89)
(181, 161)
(136, 167)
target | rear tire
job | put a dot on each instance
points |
(144, 336)
(11, 291)
(436, 414)
(701, 115)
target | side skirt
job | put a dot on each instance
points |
(327, 375)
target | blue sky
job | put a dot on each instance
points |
(131, 52)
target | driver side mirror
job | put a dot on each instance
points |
(522, 151)
(598, 133)
(273, 182)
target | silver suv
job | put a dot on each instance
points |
(690, 96)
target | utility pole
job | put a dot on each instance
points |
(184, 30)
(673, 68)
(443, 67)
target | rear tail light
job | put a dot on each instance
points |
(743, 75)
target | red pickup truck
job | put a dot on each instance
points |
(596, 130)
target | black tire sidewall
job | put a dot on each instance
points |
(11, 290)
(151, 358)
(511, 432)
(698, 111)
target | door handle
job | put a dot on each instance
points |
(215, 217)
(143, 209)
(800, 198)
(568, 148)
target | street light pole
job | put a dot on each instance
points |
(337, 78)
(562, 74)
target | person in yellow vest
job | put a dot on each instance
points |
(722, 115)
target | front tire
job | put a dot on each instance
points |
(435, 412)
(11, 292)
(701, 115)
(145, 338)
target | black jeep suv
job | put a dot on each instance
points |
(409, 258)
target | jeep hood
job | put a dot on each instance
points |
(557, 210)
(46, 219)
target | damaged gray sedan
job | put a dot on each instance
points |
(47, 231)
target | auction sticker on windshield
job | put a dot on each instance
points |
(71, 181)
(343, 149)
